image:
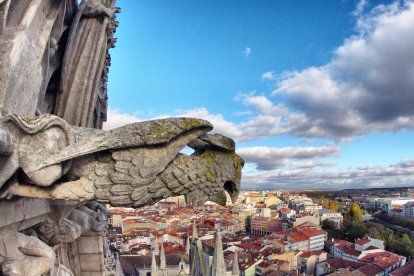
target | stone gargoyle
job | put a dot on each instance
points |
(134, 165)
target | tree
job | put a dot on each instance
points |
(375, 230)
(357, 230)
(355, 212)
(406, 240)
(332, 228)
(329, 225)
(333, 206)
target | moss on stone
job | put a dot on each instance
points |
(159, 130)
(191, 123)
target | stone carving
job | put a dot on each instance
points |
(24, 255)
(63, 231)
(85, 54)
(91, 217)
(134, 165)
(87, 217)
(33, 37)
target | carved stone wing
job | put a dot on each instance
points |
(133, 177)
(148, 133)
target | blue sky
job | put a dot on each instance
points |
(316, 93)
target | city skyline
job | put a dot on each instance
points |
(316, 95)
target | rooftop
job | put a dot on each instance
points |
(407, 270)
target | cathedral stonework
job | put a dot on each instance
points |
(58, 168)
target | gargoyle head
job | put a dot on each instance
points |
(223, 167)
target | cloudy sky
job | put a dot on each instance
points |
(317, 94)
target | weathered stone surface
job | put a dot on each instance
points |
(30, 35)
(134, 165)
(16, 212)
(24, 255)
(54, 233)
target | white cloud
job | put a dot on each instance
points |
(367, 86)
(396, 175)
(359, 9)
(221, 125)
(267, 158)
(247, 51)
(118, 118)
(269, 75)
(310, 164)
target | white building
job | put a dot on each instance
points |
(316, 238)
(265, 212)
(388, 203)
(331, 215)
(408, 210)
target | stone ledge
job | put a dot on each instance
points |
(25, 211)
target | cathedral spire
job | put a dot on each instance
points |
(195, 233)
(154, 268)
(163, 264)
(235, 270)
(188, 247)
(219, 266)
(155, 245)
(197, 264)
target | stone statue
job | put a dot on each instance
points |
(24, 255)
(84, 59)
(91, 217)
(80, 219)
(134, 165)
(54, 233)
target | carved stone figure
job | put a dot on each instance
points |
(24, 255)
(91, 217)
(84, 59)
(54, 233)
(61, 228)
(134, 165)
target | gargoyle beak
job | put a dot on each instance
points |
(233, 189)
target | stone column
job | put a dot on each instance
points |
(90, 254)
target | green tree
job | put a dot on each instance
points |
(333, 205)
(355, 212)
(375, 230)
(389, 235)
(357, 230)
(406, 240)
(329, 225)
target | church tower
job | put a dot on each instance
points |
(219, 266)
(235, 269)
(154, 267)
(163, 263)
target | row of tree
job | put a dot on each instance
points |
(354, 227)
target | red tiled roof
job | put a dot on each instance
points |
(245, 265)
(249, 246)
(294, 238)
(370, 269)
(343, 245)
(307, 254)
(312, 232)
(362, 241)
(352, 252)
(371, 257)
(387, 262)
(340, 263)
(279, 241)
(406, 270)
(263, 264)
